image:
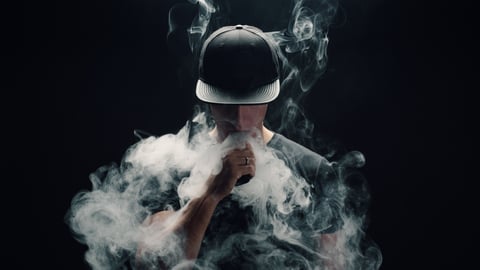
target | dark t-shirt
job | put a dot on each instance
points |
(235, 239)
(271, 222)
(277, 231)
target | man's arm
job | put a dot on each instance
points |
(331, 251)
(190, 223)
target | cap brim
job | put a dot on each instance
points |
(211, 94)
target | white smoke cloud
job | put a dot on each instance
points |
(109, 218)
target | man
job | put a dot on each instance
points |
(216, 228)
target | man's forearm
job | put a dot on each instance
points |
(193, 223)
(188, 226)
(331, 249)
(184, 230)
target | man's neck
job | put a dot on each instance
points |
(267, 134)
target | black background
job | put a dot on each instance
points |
(82, 75)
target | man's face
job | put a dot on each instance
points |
(238, 118)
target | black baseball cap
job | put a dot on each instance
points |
(238, 65)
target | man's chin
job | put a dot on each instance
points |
(239, 138)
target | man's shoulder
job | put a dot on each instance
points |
(297, 156)
(291, 148)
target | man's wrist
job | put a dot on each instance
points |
(210, 200)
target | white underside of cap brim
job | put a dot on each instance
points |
(211, 94)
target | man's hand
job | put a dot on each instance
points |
(235, 164)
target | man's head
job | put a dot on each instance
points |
(238, 65)
(238, 76)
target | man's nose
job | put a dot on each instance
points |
(242, 119)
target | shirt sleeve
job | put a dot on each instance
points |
(327, 198)
(324, 213)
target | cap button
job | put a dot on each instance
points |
(238, 26)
